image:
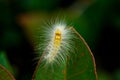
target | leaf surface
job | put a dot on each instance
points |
(5, 74)
(81, 67)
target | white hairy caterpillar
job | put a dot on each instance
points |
(57, 41)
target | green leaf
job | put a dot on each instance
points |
(5, 74)
(5, 62)
(82, 66)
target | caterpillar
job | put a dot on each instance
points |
(57, 43)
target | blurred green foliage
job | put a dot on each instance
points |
(35, 5)
(5, 62)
